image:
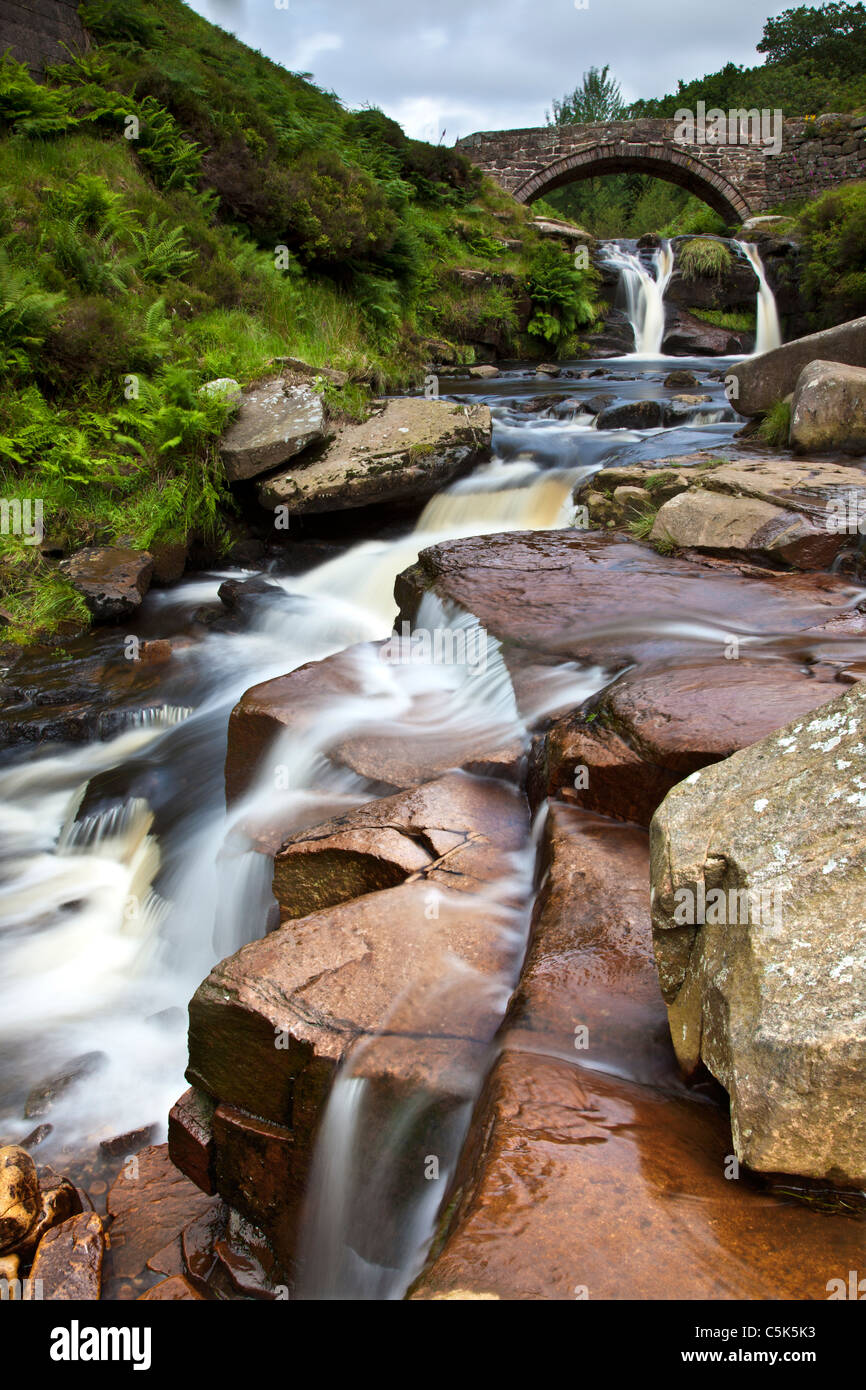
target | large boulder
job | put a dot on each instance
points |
(829, 408)
(702, 520)
(406, 451)
(111, 579)
(757, 873)
(761, 382)
(275, 421)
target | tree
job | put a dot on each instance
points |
(833, 35)
(598, 98)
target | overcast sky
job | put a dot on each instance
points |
(465, 65)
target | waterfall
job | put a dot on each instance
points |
(644, 292)
(769, 333)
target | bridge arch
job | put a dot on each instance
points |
(668, 162)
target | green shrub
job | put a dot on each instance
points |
(834, 238)
(562, 296)
(27, 107)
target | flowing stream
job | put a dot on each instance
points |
(122, 877)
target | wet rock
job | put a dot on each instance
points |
(761, 382)
(594, 405)
(271, 1024)
(111, 580)
(575, 1182)
(630, 415)
(68, 1262)
(767, 990)
(629, 503)
(247, 1264)
(681, 378)
(198, 1241)
(486, 372)
(687, 336)
(829, 408)
(190, 1138)
(150, 1202)
(128, 1143)
(59, 1200)
(651, 729)
(275, 422)
(177, 1289)
(813, 487)
(37, 1136)
(20, 1198)
(295, 370)
(407, 450)
(43, 1096)
(548, 369)
(681, 409)
(704, 520)
(374, 750)
(247, 597)
(562, 594)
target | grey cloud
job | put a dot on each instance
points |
(472, 64)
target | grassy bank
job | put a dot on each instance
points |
(175, 207)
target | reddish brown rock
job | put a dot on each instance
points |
(190, 1138)
(173, 1290)
(649, 731)
(270, 1026)
(198, 1241)
(68, 1261)
(419, 752)
(575, 1182)
(606, 600)
(111, 580)
(20, 1197)
(150, 1202)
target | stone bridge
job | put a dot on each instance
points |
(735, 179)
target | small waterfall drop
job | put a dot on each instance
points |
(769, 332)
(644, 286)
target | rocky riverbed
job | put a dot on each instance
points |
(519, 933)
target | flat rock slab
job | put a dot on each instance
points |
(407, 450)
(766, 982)
(603, 599)
(590, 1187)
(149, 1210)
(275, 422)
(111, 580)
(68, 1260)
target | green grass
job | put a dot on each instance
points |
(253, 218)
(703, 258)
(734, 320)
(776, 425)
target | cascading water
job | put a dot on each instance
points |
(768, 329)
(122, 879)
(644, 288)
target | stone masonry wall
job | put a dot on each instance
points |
(740, 179)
